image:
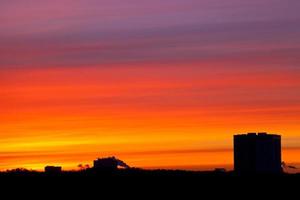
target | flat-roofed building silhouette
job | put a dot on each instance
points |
(257, 153)
(53, 169)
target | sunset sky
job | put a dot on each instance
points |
(159, 84)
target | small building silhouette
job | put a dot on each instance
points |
(53, 169)
(257, 153)
(109, 163)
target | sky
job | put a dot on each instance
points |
(159, 84)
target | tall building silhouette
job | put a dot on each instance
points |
(257, 153)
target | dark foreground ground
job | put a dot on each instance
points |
(145, 184)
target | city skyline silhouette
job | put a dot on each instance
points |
(253, 153)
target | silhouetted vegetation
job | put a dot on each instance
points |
(137, 172)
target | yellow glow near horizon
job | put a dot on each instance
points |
(148, 117)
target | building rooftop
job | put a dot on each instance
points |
(259, 134)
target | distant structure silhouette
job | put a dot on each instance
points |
(257, 153)
(109, 163)
(53, 169)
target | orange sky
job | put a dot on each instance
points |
(149, 116)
